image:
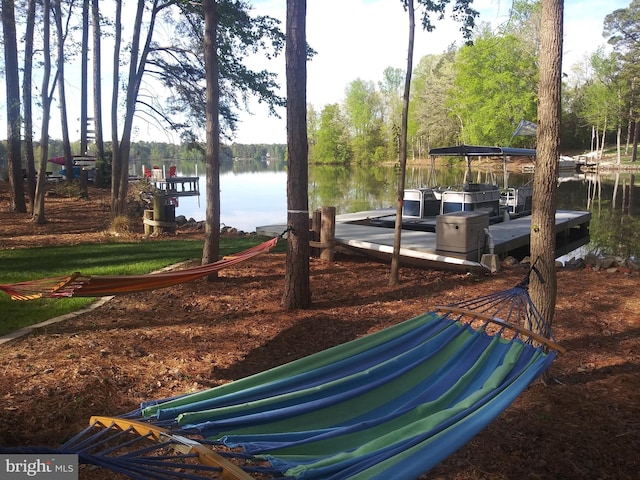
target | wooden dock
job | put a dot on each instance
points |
(511, 237)
(420, 248)
(177, 186)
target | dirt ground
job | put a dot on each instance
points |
(583, 423)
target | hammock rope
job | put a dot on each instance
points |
(79, 285)
(392, 404)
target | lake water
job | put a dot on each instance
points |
(252, 199)
(247, 200)
(256, 195)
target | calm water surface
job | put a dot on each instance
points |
(254, 194)
(247, 200)
(252, 199)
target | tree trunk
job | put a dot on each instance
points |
(66, 144)
(614, 195)
(97, 83)
(631, 115)
(620, 121)
(394, 274)
(27, 86)
(115, 143)
(130, 108)
(543, 294)
(619, 144)
(297, 289)
(12, 82)
(84, 78)
(634, 147)
(604, 133)
(38, 206)
(211, 247)
(138, 60)
(631, 211)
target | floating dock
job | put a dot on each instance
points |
(419, 248)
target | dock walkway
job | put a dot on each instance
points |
(511, 237)
(508, 238)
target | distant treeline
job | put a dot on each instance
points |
(150, 152)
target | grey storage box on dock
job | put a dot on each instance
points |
(461, 234)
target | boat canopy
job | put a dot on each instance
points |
(479, 151)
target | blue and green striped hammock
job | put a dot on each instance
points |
(392, 404)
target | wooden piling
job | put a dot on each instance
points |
(158, 212)
(147, 218)
(161, 219)
(328, 233)
(314, 234)
(323, 233)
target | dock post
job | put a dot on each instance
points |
(491, 261)
(314, 234)
(162, 218)
(147, 217)
(323, 233)
(328, 233)
(170, 217)
(158, 212)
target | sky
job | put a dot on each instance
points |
(359, 39)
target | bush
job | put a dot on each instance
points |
(69, 189)
(140, 198)
(121, 224)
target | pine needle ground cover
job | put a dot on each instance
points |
(116, 258)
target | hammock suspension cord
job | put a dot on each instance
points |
(511, 309)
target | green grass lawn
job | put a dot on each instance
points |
(91, 259)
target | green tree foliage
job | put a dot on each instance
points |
(603, 97)
(461, 12)
(574, 134)
(432, 122)
(273, 152)
(622, 30)
(524, 23)
(494, 88)
(391, 88)
(332, 137)
(312, 127)
(364, 112)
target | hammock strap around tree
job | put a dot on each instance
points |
(79, 285)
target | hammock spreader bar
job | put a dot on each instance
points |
(503, 324)
(78, 285)
(185, 445)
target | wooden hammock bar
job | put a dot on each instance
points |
(206, 455)
(516, 328)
